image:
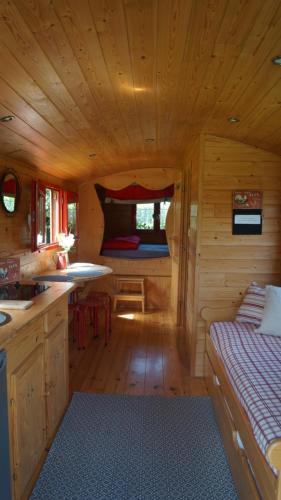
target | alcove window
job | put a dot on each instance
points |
(151, 216)
(145, 216)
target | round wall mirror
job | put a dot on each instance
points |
(9, 192)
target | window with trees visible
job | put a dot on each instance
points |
(152, 216)
(48, 215)
(72, 213)
(53, 211)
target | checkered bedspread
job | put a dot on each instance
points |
(253, 364)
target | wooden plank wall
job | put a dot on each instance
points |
(15, 231)
(226, 264)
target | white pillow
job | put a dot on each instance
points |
(271, 322)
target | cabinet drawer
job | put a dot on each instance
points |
(241, 469)
(55, 315)
(27, 339)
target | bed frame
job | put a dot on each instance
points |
(252, 474)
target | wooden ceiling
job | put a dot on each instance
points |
(133, 81)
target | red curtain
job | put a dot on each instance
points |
(135, 192)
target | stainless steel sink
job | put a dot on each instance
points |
(4, 318)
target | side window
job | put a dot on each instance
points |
(52, 224)
(72, 213)
(45, 215)
(53, 211)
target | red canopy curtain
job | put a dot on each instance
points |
(139, 193)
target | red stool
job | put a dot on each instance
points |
(96, 302)
(74, 296)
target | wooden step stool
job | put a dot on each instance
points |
(127, 296)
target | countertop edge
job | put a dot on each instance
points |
(42, 303)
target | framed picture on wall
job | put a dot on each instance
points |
(246, 200)
(247, 212)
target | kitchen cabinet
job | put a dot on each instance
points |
(56, 358)
(28, 417)
(37, 377)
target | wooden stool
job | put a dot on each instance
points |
(79, 312)
(127, 296)
(95, 302)
(76, 314)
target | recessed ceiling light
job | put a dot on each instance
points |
(149, 139)
(276, 60)
(7, 118)
(233, 119)
(92, 155)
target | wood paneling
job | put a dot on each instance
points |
(15, 231)
(105, 76)
(227, 263)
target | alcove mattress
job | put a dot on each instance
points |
(144, 251)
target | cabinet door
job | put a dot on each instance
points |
(28, 416)
(56, 356)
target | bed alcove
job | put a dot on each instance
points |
(161, 274)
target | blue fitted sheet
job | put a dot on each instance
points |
(144, 251)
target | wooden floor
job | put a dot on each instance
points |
(146, 355)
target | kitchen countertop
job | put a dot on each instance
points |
(41, 304)
(79, 273)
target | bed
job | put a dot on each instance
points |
(243, 376)
(143, 251)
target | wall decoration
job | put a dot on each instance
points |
(9, 270)
(247, 200)
(247, 212)
(9, 192)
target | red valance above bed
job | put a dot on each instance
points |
(137, 193)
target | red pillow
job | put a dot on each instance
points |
(122, 243)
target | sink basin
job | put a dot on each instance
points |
(4, 318)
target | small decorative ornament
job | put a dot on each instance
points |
(9, 270)
(66, 241)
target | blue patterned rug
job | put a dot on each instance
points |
(137, 448)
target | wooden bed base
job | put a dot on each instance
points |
(252, 474)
